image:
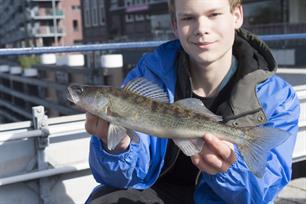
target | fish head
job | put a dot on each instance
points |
(90, 98)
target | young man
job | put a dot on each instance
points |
(232, 72)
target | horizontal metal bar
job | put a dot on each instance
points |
(62, 68)
(15, 109)
(37, 100)
(120, 46)
(8, 115)
(291, 71)
(67, 119)
(33, 81)
(59, 130)
(43, 173)
(300, 88)
(299, 159)
(293, 36)
(79, 48)
(23, 135)
(15, 125)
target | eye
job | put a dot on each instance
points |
(215, 14)
(186, 18)
(78, 90)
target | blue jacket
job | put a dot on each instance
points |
(140, 166)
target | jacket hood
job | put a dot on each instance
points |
(252, 53)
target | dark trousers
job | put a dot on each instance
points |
(161, 193)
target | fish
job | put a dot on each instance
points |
(143, 106)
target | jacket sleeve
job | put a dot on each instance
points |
(238, 184)
(134, 167)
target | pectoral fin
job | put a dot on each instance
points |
(196, 105)
(115, 135)
(190, 146)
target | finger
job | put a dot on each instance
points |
(202, 166)
(211, 159)
(96, 126)
(218, 146)
(90, 123)
(232, 158)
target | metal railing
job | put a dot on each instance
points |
(48, 133)
(44, 132)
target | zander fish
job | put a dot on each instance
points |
(143, 106)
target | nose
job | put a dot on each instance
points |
(201, 27)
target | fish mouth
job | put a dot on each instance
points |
(73, 94)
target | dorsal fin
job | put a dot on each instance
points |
(147, 89)
(196, 105)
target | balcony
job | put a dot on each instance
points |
(47, 31)
(47, 13)
(57, 12)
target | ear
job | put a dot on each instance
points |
(174, 27)
(238, 16)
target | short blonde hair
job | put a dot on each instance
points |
(171, 6)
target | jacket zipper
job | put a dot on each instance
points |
(197, 178)
(172, 164)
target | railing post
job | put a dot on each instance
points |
(40, 123)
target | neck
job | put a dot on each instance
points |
(206, 78)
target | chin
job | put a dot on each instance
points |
(206, 59)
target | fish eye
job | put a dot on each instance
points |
(78, 90)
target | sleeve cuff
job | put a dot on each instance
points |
(107, 155)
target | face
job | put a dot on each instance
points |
(206, 29)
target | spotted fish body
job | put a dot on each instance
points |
(142, 106)
(160, 119)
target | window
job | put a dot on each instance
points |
(129, 18)
(265, 12)
(87, 17)
(75, 25)
(76, 7)
(102, 12)
(139, 17)
(94, 13)
(128, 3)
(114, 4)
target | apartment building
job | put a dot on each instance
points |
(40, 23)
(135, 20)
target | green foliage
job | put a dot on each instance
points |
(28, 61)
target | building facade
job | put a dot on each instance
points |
(37, 23)
(145, 20)
(138, 20)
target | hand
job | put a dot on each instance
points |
(216, 155)
(99, 127)
(96, 126)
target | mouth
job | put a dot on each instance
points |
(203, 44)
(72, 94)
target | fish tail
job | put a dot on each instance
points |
(256, 150)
